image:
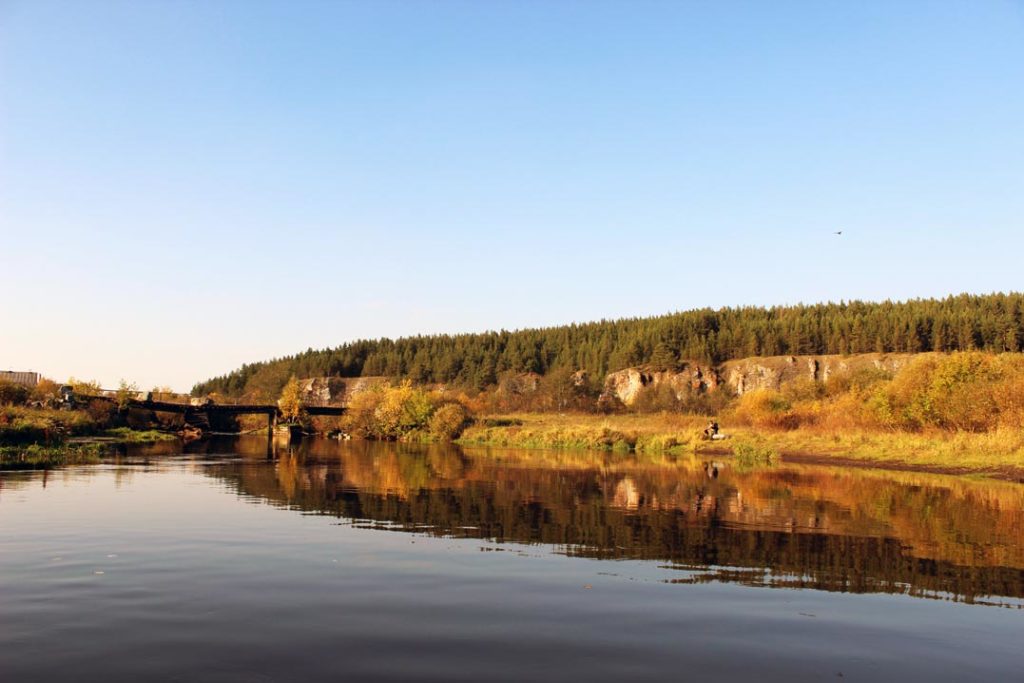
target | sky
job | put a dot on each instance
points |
(186, 186)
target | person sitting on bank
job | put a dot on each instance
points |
(711, 430)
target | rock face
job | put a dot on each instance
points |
(736, 377)
(625, 385)
(772, 372)
(333, 391)
(741, 376)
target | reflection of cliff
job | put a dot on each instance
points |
(828, 528)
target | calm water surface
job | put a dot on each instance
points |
(369, 561)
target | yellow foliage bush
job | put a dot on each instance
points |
(764, 408)
(448, 421)
(966, 391)
(403, 412)
(290, 402)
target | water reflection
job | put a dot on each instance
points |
(806, 526)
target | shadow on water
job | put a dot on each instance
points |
(816, 527)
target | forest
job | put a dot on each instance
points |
(991, 322)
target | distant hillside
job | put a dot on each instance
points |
(992, 322)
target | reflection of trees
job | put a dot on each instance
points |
(828, 528)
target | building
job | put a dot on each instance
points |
(28, 379)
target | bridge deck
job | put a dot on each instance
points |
(269, 410)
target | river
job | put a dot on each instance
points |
(240, 561)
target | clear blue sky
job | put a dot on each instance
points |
(186, 186)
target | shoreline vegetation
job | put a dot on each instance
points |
(999, 453)
(44, 457)
(43, 438)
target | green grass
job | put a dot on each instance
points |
(128, 435)
(37, 457)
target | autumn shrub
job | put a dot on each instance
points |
(101, 411)
(956, 392)
(1008, 395)
(13, 394)
(290, 403)
(448, 421)
(360, 414)
(764, 408)
(963, 391)
(403, 412)
(46, 392)
(84, 387)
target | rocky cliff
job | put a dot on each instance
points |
(327, 391)
(740, 376)
(625, 385)
(773, 372)
(736, 377)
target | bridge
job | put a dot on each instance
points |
(199, 415)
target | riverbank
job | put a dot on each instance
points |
(41, 457)
(998, 453)
(78, 450)
(25, 425)
(41, 438)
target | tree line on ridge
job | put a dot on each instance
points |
(992, 322)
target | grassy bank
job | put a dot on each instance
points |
(37, 457)
(24, 425)
(77, 450)
(996, 451)
(128, 435)
(641, 433)
(999, 450)
(41, 438)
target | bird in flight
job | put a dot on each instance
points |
(838, 232)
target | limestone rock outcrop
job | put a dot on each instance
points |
(328, 391)
(626, 385)
(747, 374)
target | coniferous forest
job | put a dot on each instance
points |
(991, 322)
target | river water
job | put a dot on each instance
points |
(352, 561)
